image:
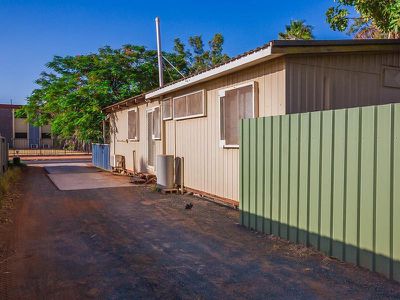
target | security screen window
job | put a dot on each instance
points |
(156, 123)
(235, 104)
(133, 125)
(189, 106)
(167, 109)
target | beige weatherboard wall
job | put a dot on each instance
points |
(209, 166)
(285, 80)
(135, 151)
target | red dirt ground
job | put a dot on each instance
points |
(56, 157)
(130, 243)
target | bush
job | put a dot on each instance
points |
(7, 181)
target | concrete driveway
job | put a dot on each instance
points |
(70, 176)
(134, 243)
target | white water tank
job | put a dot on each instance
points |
(165, 171)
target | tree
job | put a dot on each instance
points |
(72, 93)
(197, 58)
(183, 57)
(372, 19)
(200, 56)
(297, 30)
(216, 46)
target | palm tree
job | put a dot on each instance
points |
(297, 30)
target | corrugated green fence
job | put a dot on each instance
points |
(327, 179)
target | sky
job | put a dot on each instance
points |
(33, 31)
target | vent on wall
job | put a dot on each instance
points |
(391, 77)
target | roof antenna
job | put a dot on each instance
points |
(159, 53)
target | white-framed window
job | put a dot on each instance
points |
(236, 103)
(155, 114)
(133, 124)
(189, 106)
(167, 109)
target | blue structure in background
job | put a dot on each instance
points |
(34, 136)
(101, 156)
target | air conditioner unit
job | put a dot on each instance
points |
(119, 162)
(34, 146)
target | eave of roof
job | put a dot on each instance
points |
(10, 106)
(273, 50)
(125, 104)
(266, 52)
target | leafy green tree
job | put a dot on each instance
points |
(75, 89)
(72, 93)
(197, 58)
(216, 48)
(372, 19)
(297, 30)
(183, 57)
(200, 56)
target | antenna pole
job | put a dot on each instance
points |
(159, 53)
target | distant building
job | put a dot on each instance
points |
(19, 133)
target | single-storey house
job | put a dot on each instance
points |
(197, 117)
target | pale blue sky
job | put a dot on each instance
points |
(32, 32)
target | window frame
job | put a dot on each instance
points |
(221, 94)
(203, 95)
(152, 109)
(171, 106)
(137, 138)
(45, 133)
(21, 138)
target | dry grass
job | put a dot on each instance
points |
(8, 181)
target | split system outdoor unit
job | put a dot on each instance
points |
(118, 161)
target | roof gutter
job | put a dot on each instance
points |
(125, 104)
(267, 52)
(333, 46)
